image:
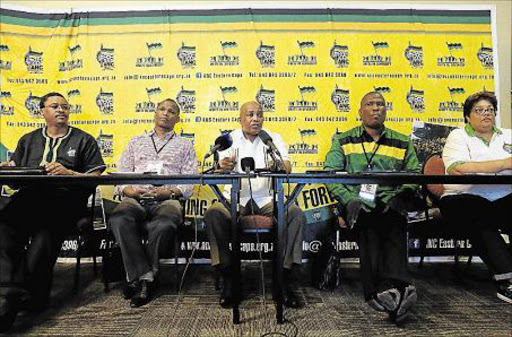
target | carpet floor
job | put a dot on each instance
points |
(450, 303)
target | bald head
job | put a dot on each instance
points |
(251, 119)
(251, 105)
(372, 94)
(373, 110)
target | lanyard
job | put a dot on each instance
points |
(167, 142)
(369, 161)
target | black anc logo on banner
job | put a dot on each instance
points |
(72, 63)
(34, 61)
(267, 99)
(187, 56)
(148, 106)
(105, 58)
(74, 108)
(187, 134)
(302, 104)
(452, 105)
(267, 55)
(225, 60)
(32, 105)
(484, 55)
(5, 64)
(416, 99)
(303, 147)
(302, 59)
(150, 61)
(450, 60)
(414, 54)
(341, 99)
(382, 91)
(376, 59)
(187, 100)
(105, 102)
(225, 105)
(339, 54)
(106, 144)
(5, 109)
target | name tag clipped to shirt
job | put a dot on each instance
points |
(368, 191)
(157, 167)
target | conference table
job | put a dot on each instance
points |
(279, 181)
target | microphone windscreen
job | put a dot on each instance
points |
(264, 136)
(224, 141)
(247, 164)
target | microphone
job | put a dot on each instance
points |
(247, 164)
(267, 140)
(222, 143)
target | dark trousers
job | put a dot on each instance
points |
(482, 219)
(130, 222)
(382, 240)
(45, 219)
(218, 226)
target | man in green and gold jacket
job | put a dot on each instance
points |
(377, 212)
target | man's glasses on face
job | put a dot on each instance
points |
(481, 112)
(56, 106)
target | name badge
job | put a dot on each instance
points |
(368, 191)
(157, 167)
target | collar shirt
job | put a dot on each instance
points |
(168, 156)
(463, 145)
(242, 148)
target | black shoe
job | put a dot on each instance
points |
(130, 289)
(144, 295)
(408, 299)
(7, 314)
(505, 292)
(226, 295)
(291, 300)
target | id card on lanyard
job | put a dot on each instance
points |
(369, 191)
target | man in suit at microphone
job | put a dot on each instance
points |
(248, 142)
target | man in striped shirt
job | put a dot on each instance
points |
(377, 212)
(155, 210)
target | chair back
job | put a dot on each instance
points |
(434, 166)
(256, 223)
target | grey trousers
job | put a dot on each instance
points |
(130, 221)
(218, 227)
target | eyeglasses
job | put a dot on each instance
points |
(56, 106)
(481, 112)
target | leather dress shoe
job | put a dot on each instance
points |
(226, 296)
(130, 289)
(144, 295)
(7, 314)
(291, 300)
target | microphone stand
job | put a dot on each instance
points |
(279, 164)
(215, 165)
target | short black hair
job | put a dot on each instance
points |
(48, 95)
(169, 100)
(475, 98)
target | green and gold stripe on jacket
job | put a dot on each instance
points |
(395, 152)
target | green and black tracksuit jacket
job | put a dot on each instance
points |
(356, 151)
